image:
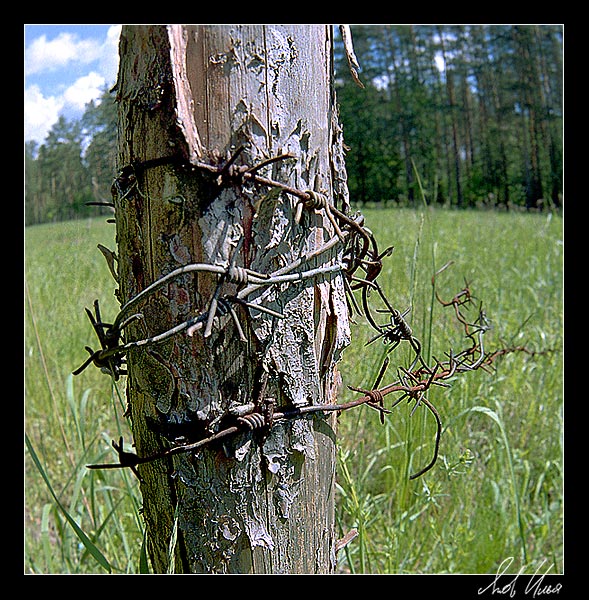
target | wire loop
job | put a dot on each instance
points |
(359, 263)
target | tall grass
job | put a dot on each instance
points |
(496, 490)
(77, 521)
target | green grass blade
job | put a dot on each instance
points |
(94, 551)
(143, 561)
(421, 190)
(45, 534)
(516, 497)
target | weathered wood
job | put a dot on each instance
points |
(256, 503)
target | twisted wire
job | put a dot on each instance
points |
(360, 252)
(237, 275)
(254, 420)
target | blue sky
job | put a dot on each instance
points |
(66, 66)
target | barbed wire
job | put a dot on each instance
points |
(359, 262)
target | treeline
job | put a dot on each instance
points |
(458, 115)
(74, 165)
(455, 115)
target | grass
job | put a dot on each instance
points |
(70, 421)
(496, 490)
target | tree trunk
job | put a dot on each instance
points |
(452, 108)
(400, 110)
(259, 501)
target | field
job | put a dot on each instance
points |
(496, 491)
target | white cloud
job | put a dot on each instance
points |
(86, 88)
(43, 54)
(40, 113)
(66, 51)
(109, 54)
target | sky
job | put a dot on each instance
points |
(65, 67)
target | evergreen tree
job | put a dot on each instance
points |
(74, 165)
(100, 125)
(64, 179)
(475, 111)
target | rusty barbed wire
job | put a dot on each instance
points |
(360, 264)
(410, 384)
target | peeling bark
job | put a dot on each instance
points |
(259, 503)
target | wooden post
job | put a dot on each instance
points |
(260, 501)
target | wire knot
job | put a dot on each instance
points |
(315, 200)
(237, 275)
(252, 421)
(376, 397)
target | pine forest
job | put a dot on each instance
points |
(460, 116)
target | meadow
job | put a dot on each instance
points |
(496, 491)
